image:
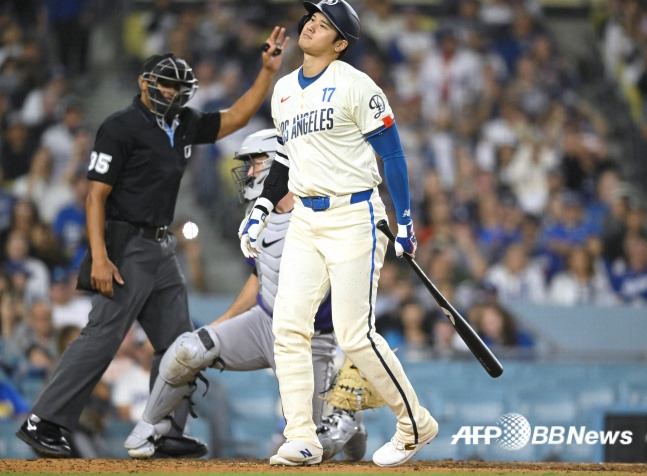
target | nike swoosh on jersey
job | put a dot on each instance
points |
(267, 244)
(285, 99)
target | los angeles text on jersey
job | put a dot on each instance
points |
(307, 122)
(544, 435)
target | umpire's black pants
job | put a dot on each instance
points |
(154, 293)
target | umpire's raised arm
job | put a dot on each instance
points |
(239, 114)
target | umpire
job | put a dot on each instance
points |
(138, 160)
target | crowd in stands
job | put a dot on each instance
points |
(516, 195)
(623, 29)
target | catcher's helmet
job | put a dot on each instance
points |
(340, 14)
(250, 181)
(169, 71)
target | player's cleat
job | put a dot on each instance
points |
(355, 449)
(45, 438)
(395, 452)
(180, 447)
(297, 453)
(142, 439)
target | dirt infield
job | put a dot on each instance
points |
(107, 466)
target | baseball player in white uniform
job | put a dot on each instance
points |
(242, 339)
(331, 119)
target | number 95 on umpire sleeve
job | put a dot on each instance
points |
(100, 162)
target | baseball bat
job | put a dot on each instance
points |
(482, 353)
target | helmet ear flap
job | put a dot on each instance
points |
(302, 23)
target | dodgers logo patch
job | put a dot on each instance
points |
(376, 102)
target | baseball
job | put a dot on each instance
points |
(190, 230)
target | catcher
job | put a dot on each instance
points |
(241, 339)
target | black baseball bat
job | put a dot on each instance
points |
(482, 353)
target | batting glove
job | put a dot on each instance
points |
(252, 226)
(406, 241)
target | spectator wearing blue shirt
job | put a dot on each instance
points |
(629, 279)
(570, 229)
(12, 404)
(70, 223)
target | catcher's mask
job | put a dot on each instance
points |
(257, 152)
(168, 71)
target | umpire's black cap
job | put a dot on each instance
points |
(341, 15)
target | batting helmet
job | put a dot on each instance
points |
(341, 15)
(250, 181)
(168, 71)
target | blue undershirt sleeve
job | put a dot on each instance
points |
(387, 144)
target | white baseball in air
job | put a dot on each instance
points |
(190, 230)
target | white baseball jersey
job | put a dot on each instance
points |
(349, 106)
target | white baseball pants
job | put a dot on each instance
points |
(340, 249)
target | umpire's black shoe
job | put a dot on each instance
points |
(45, 438)
(179, 447)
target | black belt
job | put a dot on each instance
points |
(158, 233)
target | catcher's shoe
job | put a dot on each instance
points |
(395, 452)
(45, 438)
(355, 449)
(297, 453)
(337, 429)
(141, 441)
(323, 433)
(180, 447)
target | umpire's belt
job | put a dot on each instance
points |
(158, 233)
(319, 204)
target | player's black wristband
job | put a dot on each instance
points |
(276, 183)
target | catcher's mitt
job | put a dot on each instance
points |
(350, 391)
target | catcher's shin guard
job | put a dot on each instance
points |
(163, 400)
(189, 354)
